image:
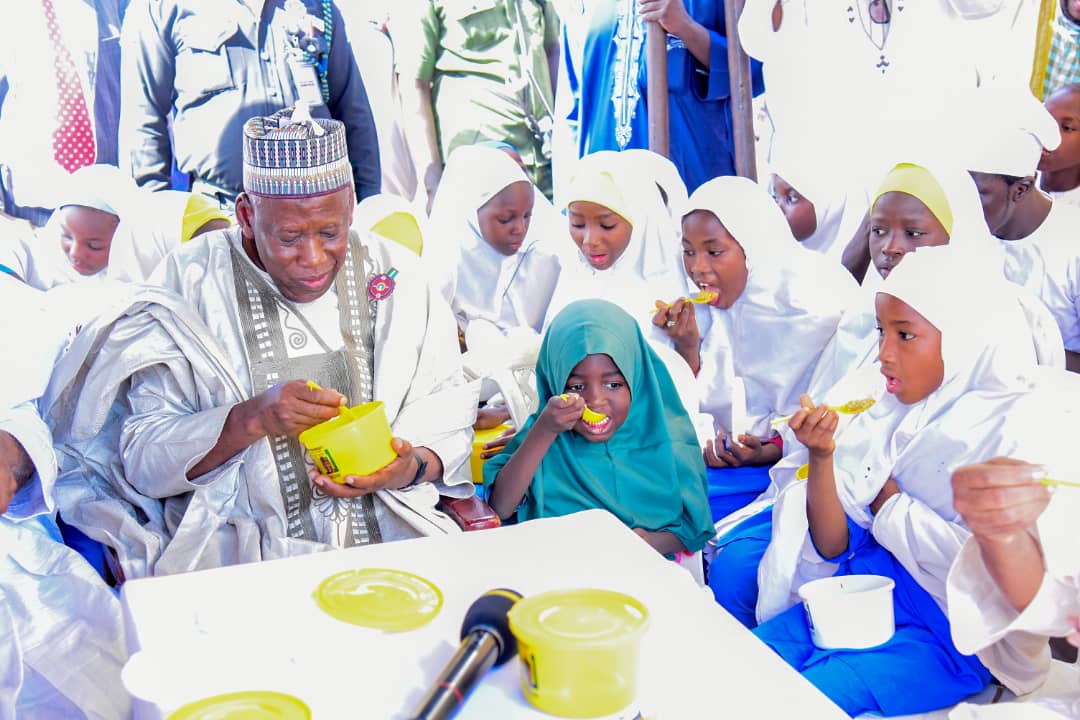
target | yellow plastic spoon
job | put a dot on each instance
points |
(344, 409)
(702, 298)
(1050, 482)
(851, 407)
(588, 415)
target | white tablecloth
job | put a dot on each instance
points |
(257, 627)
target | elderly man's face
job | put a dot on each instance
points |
(300, 243)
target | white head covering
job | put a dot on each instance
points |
(650, 268)
(774, 332)
(165, 220)
(100, 187)
(666, 177)
(478, 281)
(1013, 130)
(856, 338)
(989, 366)
(839, 205)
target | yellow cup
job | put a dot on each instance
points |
(476, 463)
(579, 650)
(356, 442)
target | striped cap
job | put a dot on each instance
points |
(292, 155)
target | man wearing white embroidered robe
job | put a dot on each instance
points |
(288, 296)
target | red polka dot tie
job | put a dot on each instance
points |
(73, 139)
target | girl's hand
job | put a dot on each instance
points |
(1074, 637)
(560, 415)
(815, 427)
(490, 417)
(889, 489)
(680, 324)
(1000, 498)
(751, 452)
(496, 446)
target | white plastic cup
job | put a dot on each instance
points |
(849, 612)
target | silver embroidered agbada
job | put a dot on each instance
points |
(144, 393)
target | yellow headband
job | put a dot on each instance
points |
(599, 187)
(917, 181)
(199, 211)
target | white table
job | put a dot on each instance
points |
(257, 627)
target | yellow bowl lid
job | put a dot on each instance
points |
(247, 705)
(579, 617)
(379, 598)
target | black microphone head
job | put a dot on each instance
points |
(489, 612)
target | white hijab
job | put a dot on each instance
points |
(989, 365)
(478, 281)
(839, 205)
(772, 334)
(39, 259)
(650, 268)
(855, 344)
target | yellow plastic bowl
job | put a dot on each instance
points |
(476, 463)
(356, 442)
(579, 650)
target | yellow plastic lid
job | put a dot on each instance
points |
(379, 598)
(581, 617)
(247, 705)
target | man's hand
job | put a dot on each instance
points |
(1001, 498)
(15, 468)
(399, 473)
(671, 14)
(293, 407)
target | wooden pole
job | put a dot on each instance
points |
(656, 96)
(742, 112)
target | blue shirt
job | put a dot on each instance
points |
(612, 88)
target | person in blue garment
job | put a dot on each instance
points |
(957, 370)
(610, 83)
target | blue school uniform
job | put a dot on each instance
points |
(611, 87)
(917, 671)
(733, 573)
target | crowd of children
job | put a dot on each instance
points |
(769, 382)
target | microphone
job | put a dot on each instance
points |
(486, 642)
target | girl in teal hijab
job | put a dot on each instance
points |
(636, 457)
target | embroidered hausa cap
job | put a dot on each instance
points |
(293, 155)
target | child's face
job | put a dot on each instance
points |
(798, 210)
(909, 347)
(599, 382)
(86, 236)
(1072, 7)
(712, 258)
(998, 198)
(504, 219)
(1064, 105)
(900, 223)
(601, 234)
